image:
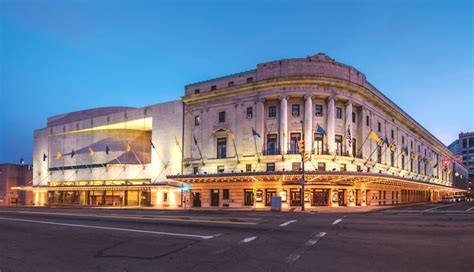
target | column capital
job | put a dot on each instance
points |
(310, 96)
(260, 100)
(283, 97)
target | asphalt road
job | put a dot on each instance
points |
(431, 237)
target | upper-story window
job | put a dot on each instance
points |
(367, 120)
(196, 91)
(338, 113)
(411, 144)
(249, 79)
(338, 139)
(295, 110)
(221, 148)
(379, 127)
(249, 112)
(392, 134)
(318, 110)
(272, 111)
(464, 143)
(213, 87)
(222, 117)
(197, 120)
(403, 139)
(353, 117)
(230, 84)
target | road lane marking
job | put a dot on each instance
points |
(249, 239)
(110, 228)
(297, 254)
(140, 217)
(470, 209)
(434, 208)
(337, 221)
(287, 223)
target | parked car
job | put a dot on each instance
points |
(448, 199)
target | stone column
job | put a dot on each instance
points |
(259, 123)
(308, 124)
(331, 126)
(349, 127)
(283, 125)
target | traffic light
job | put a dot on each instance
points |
(305, 157)
(301, 146)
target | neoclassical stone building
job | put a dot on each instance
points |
(241, 135)
(238, 141)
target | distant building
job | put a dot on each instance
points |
(466, 149)
(12, 175)
(454, 147)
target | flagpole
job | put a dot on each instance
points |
(235, 146)
(256, 149)
(199, 149)
(363, 143)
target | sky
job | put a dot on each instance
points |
(64, 56)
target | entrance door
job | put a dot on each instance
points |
(340, 196)
(214, 197)
(248, 197)
(320, 197)
(196, 199)
(269, 193)
(295, 197)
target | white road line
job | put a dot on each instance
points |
(337, 221)
(470, 209)
(249, 239)
(287, 223)
(109, 228)
(434, 208)
(297, 254)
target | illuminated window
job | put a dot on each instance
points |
(339, 144)
(318, 143)
(271, 144)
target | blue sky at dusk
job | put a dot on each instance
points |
(64, 56)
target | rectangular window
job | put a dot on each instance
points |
(354, 147)
(230, 84)
(270, 167)
(295, 110)
(411, 144)
(379, 154)
(379, 127)
(225, 194)
(222, 117)
(392, 134)
(464, 143)
(403, 162)
(367, 120)
(318, 143)
(294, 139)
(318, 110)
(403, 139)
(339, 145)
(195, 170)
(197, 120)
(213, 87)
(197, 91)
(392, 158)
(248, 197)
(249, 113)
(249, 79)
(221, 148)
(272, 111)
(248, 168)
(353, 117)
(271, 144)
(338, 113)
(321, 166)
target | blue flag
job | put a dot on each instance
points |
(385, 140)
(255, 133)
(321, 130)
(22, 161)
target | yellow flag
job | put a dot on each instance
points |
(91, 151)
(374, 136)
(129, 148)
(456, 174)
(177, 141)
(58, 155)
